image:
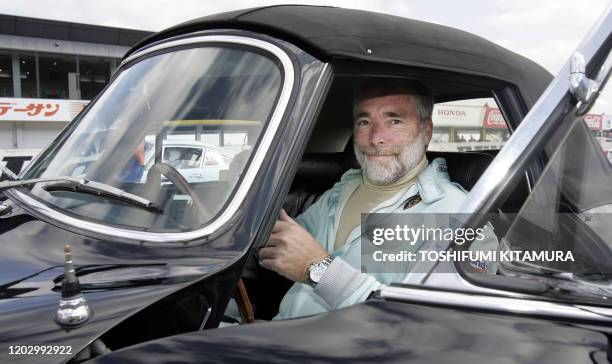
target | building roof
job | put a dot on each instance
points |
(60, 30)
(331, 33)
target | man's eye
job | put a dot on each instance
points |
(397, 122)
(362, 123)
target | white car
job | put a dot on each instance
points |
(196, 161)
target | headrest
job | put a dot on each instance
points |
(319, 171)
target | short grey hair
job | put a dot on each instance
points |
(396, 86)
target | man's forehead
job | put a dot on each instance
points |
(384, 103)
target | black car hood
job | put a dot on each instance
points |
(30, 246)
(118, 281)
(29, 320)
(380, 331)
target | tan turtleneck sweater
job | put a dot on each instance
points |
(366, 197)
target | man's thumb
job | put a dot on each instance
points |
(284, 217)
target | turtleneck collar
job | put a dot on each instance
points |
(405, 181)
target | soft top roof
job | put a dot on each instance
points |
(331, 33)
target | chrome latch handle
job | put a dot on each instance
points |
(584, 89)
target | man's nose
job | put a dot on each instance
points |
(378, 134)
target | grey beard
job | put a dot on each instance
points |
(388, 172)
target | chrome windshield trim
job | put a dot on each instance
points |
(495, 303)
(232, 207)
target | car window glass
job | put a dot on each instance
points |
(570, 206)
(468, 125)
(236, 138)
(599, 122)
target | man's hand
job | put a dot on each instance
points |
(290, 249)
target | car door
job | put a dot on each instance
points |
(568, 208)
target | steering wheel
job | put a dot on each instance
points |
(178, 180)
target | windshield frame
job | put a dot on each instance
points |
(171, 238)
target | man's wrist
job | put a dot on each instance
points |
(316, 269)
(341, 280)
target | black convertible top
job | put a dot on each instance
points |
(330, 33)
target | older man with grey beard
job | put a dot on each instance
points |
(321, 249)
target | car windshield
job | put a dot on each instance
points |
(570, 207)
(177, 128)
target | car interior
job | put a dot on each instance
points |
(329, 153)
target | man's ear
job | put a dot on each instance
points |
(427, 131)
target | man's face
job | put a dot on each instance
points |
(389, 138)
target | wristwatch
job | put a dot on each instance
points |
(316, 270)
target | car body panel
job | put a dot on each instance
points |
(30, 319)
(382, 332)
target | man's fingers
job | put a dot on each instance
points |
(276, 239)
(270, 264)
(267, 263)
(280, 225)
(271, 242)
(283, 216)
(267, 253)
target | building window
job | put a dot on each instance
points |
(94, 75)
(27, 65)
(58, 77)
(6, 75)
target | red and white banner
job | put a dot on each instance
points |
(16, 109)
(593, 121)
(493, 119)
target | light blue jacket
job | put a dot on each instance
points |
(343, 284)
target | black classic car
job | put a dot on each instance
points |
(108, 259)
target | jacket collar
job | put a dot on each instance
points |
(429, 181)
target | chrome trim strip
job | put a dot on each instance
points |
(500, 304)
(205, 319)
(141, 236)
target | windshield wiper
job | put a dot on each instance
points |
(82, 185)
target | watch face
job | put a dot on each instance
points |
(316, 272)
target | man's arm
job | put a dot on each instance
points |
(291, 249)
(342, 285)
